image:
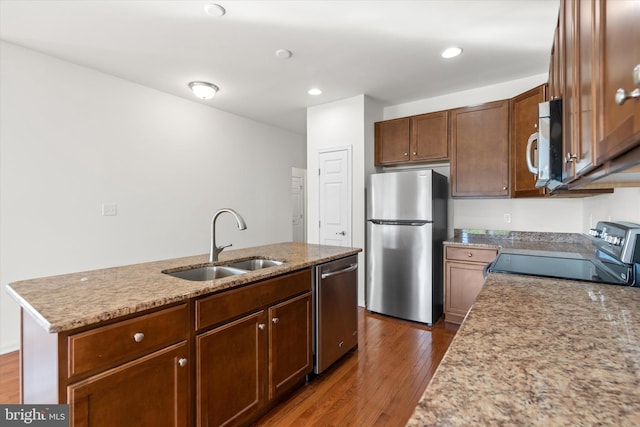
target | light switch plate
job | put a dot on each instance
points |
(109, 209)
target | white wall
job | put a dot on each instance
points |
(552, 215)
(72, 138)
(348, 122)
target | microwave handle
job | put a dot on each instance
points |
(533, 169)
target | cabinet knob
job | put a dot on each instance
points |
(415, 153)
(622, 95)
(570, 158)
(504, 188)
(261, 326)
(138, 337)
(406, 154)
(275, 320)
(182, 362)
(636, 75)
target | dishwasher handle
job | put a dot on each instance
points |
(352, 267)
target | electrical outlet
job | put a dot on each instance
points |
(507, 218)
(109, 209)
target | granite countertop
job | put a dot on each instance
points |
(568, 244)
(538, 351)
(69, 301)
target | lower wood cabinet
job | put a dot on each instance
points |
(463, 278)
(246, 364)
(222, 359)
(150, 391)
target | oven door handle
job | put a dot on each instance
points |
(352, 267)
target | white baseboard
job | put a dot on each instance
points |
(8, 348)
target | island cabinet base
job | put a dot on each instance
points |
(220, 359)
(129, 372)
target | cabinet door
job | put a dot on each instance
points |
(524, 122)
(619, 54)
(290, 353)
(463, 282)
(480, 150)
(392, 141)
(150, 391)
(230, 372)
(430, 137)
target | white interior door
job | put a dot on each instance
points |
(335, 197)
(297, 204)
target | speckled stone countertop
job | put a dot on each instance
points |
(524, 241)
(538, 351)
(70, 301)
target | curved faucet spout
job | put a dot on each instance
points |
(215, 250)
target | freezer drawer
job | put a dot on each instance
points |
(335, 311)
(400, 271)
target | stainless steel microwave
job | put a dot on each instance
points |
(544, 148)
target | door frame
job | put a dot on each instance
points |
(348, 149)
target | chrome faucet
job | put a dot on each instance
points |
(215, 250)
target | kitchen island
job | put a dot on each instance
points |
(540, 351)
(210, 352)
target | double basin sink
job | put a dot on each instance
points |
(210, 272)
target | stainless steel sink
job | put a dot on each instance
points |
(200, 274)
(254, 264)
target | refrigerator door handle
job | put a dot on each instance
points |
(399, 222)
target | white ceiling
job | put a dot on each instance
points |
(389, 50)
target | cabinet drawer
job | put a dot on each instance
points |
(470, 254)
(236, 302)
(123, 341)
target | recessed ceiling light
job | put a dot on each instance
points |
(451, 52)
(283, 53)
(214, 9)
(203, 90)
(315, 91)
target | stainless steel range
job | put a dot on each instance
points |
(616, 258)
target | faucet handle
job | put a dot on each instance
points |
(224, 246)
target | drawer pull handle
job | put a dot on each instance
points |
(261, 326)
(182, 362)
(275, 320)
(138, 337)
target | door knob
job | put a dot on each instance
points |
(342, 233)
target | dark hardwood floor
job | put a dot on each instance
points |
(377, 385)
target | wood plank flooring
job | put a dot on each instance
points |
(377, 385)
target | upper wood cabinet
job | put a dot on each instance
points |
(524, 122)
(619, 53)
(415, 139)
(480, 150)
(595, 51)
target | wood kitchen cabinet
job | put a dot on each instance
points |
(150, 391)
(463, 278)
(131, 372)
(245, 364)
(480, 150)
(524, 122)
(415, 139)
(618, 31)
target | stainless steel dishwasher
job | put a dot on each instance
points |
(335, 318)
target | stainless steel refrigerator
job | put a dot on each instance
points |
(406, 225)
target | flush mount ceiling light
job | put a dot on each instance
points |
(283, 53)
(451, 52)
(214, 9)
(315, 91)
(203, 90)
